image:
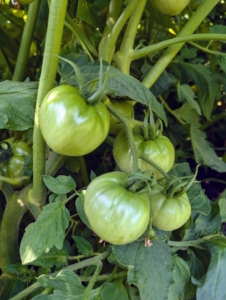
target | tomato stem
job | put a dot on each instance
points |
(49, 69)
(128, 125)
(145, 158)
(123, 57)
(107, 44)
(192, 24)
(26, 40)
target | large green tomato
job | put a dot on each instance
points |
(170, 7)
(69, 125)
(169, 213)
(115, 214)
(125, 108)
(160, 151)
(14, 167)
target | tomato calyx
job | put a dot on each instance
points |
(140, 182)
(150, 129)
(94, 97)
(176, 187)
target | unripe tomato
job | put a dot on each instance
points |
(160, 151)
(125, 108)
(169, 213)
(69, 125)
(115, 214)
(14, 167)
(170, 7)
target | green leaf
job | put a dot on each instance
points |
(212, 286)
(151, 269)
(198, 200)
(204, 153)
(186, 93)
(196, 266)
(222, 205)
(181, 275)
(84, 247)
(218, 29)
(204, 225)
(66, 285)
(17, 104)
(114, 291)
(57, 198)
(47, 231)
(119, 85)
(55, 257)
(202, 76)
(59, 185)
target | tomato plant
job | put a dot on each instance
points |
(169, 213)
(116, 214)
(69, 125)
(14, 167)
(160, 151)
(170, 7)
(126, 108)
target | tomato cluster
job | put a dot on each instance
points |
(14, 167)
(118, 214)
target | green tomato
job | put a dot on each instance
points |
(170, 7)
(160, 151)
(69, 125)
(125, 108)
(115, 214)
(14, 167)
(169, 213)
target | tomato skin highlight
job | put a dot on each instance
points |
(69, 125)
(170, 7)
(160, 151)
(169, 213)
(125, 108)
(115, 214)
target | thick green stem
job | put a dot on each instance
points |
(49, 69)
(90, 286)
(26, 41)
(83, 169)
(137, 54)
(9, 248)
(192, 24)
(54, 163)
(107, 45)
(122, 57)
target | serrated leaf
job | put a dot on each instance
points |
(119, 84)
(149, 268)
(181, 275)
(17, 104)
(204, 153)
(218, 29)
(212, 286)
(204, 225)
(84, 247)
(55, 257)
(222, 205)
(47, 231)
(59, 185)
(186, 93)
(66, 285)
(198, 200)
(114, 291)
(205, 80)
